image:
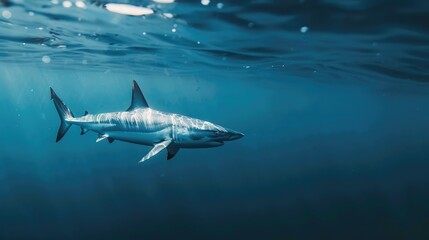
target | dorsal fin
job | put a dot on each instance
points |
(138, 100)
(86, 113)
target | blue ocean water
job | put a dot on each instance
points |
(332, 96)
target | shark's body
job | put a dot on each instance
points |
(142, 125)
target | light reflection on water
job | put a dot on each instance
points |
(343, 42)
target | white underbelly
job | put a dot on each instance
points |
(144, 138)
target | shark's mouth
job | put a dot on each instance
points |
(219, 142)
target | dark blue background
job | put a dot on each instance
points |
(336, 121)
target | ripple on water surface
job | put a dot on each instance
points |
(318, 39)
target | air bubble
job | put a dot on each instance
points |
(304, 29)
(163, 1)
(67, 4)
(80, 4)
(6, 14)
(46, 59)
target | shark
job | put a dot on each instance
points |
(143, 125)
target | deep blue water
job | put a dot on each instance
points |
(333, 97)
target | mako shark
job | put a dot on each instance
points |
(146, 126)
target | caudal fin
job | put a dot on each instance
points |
(64, 112)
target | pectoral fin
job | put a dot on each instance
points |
(101, 137)
(156, 149)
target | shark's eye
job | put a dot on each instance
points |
(217, 133)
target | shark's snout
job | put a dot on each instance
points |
(236, 136)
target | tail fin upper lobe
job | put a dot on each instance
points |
(64, 112)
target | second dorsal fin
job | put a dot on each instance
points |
(138, 100)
